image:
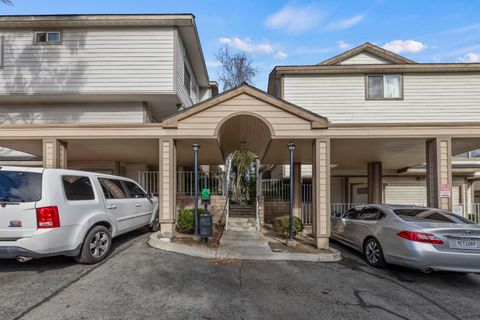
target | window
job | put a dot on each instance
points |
(112, 189)
(78, 188)
(430, 215)
(380, 87)
(134, 190)
(352, 213)
(187, 79)
(17, 186)
(370, 214)
(50, 37)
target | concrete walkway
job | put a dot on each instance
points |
(238, 244)
(242, 245)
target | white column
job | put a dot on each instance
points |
(297, 190)
(166, 185)
(54, 153)
(439, 172)
(321, 192)
(375, 185)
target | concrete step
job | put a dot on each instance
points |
(242, 219)
(235, 228)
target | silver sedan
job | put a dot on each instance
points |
(421, 238)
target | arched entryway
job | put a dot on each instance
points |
(246, 118)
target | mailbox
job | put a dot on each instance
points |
(206, 225)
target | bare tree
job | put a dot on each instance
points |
(235, 68)
(7, 2)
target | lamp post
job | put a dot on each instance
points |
(195, 201)
(291, 147)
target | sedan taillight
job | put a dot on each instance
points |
(48, 217)
(420, 237)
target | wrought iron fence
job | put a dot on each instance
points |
(276, 188)
(185, 182)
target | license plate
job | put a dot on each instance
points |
(466, 244)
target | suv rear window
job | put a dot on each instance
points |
(17, 186)
(429, 215)
(78, 188)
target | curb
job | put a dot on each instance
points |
(209, 253)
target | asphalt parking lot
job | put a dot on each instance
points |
(138, 282)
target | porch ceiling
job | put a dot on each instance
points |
(124, 150)
(209, 153)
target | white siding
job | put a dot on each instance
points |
(106, 60)
(306, 170)
(427, 98)
(411, 194)
(73, 113)
(187, 98)
(364, 58)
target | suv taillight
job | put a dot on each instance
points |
(420, 237)
(47, 217)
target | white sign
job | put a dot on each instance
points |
(445, 190)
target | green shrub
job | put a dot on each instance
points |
(186, 219)
(280, 225)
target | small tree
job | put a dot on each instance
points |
(242, 162)
(235, 68)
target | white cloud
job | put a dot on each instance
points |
(470, 58)
(295, 19)
(399, 46)
(246, 45)
(280, 55)
(345, 23)
(343, 45)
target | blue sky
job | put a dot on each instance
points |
(306, 32)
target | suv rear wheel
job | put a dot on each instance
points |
(373, 253)
(96, 246)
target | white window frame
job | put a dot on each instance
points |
(367, 97)
(60, 34)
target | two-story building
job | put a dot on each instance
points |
(130, 95)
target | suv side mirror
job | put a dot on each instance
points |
(149, 195)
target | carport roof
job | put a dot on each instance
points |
(317, 121)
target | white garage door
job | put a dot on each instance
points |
(413, 195)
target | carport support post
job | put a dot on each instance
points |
(375, 185)
(166, 186)
(54, 153)
(291, 148)
(195, 199)
(321, 192)
(297, 190)
(439, 172)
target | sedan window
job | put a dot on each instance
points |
(431, 216)
(371, 214)
(352, 213)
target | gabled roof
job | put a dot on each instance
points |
(317, 122)
(371, 49)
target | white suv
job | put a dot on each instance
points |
(47, 212)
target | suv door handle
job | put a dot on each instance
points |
(112, 207)
(138, 204)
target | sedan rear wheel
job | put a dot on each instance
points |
(373, 253)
